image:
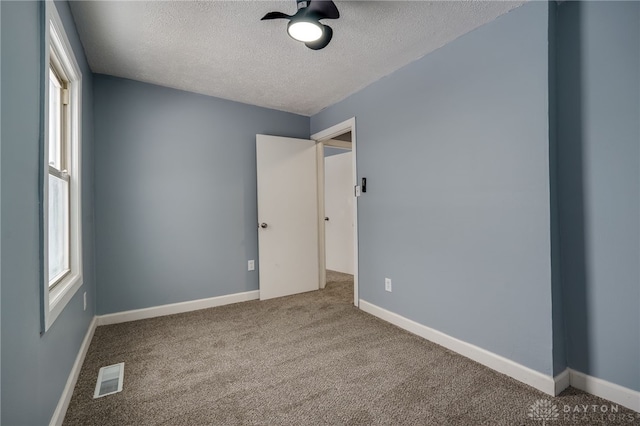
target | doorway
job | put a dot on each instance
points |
(338, 139)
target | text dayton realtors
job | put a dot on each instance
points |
(611, 412)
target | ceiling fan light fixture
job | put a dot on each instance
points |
(305, 25)
(305, 31)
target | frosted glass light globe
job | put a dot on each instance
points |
(304, 31)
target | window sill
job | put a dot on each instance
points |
(60, 296)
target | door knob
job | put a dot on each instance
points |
(263, 225)
(327, 219)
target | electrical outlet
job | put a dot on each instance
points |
(251, 265)
(387, 284)
(84, 298)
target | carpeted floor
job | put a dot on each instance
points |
(309, 359)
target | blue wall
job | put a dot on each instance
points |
(599, 186)
(176, 214)
(455, 147)
(35, 369)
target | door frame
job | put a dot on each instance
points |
(320, 138)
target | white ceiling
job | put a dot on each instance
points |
(222, 49)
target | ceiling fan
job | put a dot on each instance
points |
(305, 25)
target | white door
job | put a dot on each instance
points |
(287, 216)
(338, 209)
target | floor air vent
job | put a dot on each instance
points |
(110, 380)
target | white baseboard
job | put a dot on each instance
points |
(563, 381)
(65, 398)
(604, 389)
(177, 308)
(547, 384)
(542, 382)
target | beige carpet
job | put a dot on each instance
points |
(309, 359)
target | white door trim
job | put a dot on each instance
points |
(322, 255)
(321, 137)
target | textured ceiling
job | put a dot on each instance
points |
(222, 49)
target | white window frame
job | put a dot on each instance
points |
(56, 298)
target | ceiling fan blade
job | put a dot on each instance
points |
(275, 15)
(322, 42)
(324, 9)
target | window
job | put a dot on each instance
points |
(59, 179)
(61, 214)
